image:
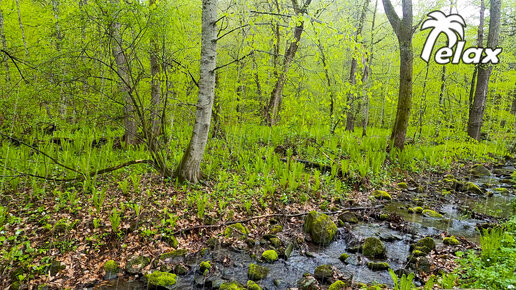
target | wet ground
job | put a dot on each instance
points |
(461, 214)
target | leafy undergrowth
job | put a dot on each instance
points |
(61, 233)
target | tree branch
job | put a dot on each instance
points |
(393, 17)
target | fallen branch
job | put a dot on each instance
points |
(271, 216)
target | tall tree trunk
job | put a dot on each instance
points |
(422, 104)
(277, 92)
(190, 167)
(4, 47)
(350, 116)
(155, 80)
(480, 43)
(59, 42)
(124, 83)
(21, 28)
(403, 29)
(367, 74)
(328, 83)
(484, 72)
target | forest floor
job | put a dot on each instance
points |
(64, 239)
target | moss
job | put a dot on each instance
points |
(381, 194)
(231, 286)
(174, 254)
(204, 266)
(338, 285)
(111, 266)
(270, 255)
(256, 272)
(236, 230)
(416, 209)
(378, 266)
(180, 269)
(321, 227)
(343, 257)
(373, 248)
(251, 285)
(276, 229)
(445, 192)
(384, 216)
(276, 242)
(432, 213)
(451, 241)
(473, 188)
(425, 245)
(162, 279)
(418, 253)
(323, 272)
(501, 190)
(403, 185)
(479, 170)
(348, 217)
(135, 265)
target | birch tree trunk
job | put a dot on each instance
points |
(484, 72)
(277, 93)
(190, 167)
(21, 28)
(403, 29)
(155, 81)
(124, 87)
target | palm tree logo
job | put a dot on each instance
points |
(452, 25)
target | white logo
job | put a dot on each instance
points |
(453, 26)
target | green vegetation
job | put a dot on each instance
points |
(270, 256)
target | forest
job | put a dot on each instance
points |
(257, 144)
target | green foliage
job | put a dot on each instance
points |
(115, 219)
(404, 282)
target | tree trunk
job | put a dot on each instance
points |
(59, 41)
(367, 73)
(403, 29)
(277, 93)
(350, 116)
(484, 72)
(4, 47)
(21, 28)
(328, 83)
(124, 86)
(155, 81)
(480, 43)
(190, 167)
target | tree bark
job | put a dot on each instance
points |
(277, 93)
(155, 80)
(59, 41)
(124, 86)
(21, 28)
(367, 73)
(484, 72)
(350, 116)
(190, 167)
(480, 43)
(4, 47)
(403, 29)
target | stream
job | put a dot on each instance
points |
(457, 220)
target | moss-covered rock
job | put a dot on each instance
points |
(251, 285)
(111, 268)
(136, 264)
(276, 229)
(473, 188)
(180, 269)
(343, 257)
(338, 285)
(321, 228)
(431, 213)
(256, 272)
(402, 185)
(348, 217)
(502, 191)
(381, 195)
(276, 242)
(378, 266)
(416, 209)
(373, 248)
(161, 279)
(308, 283)
(236, 230)
(270, 256)
(418, 253)
(179, 253)
(234, 285)
(479, 170)
(323, 272)
(425, 245)
(451, 241)
(205, 266)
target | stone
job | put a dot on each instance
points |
(256, 272)
(451, 241)
(423, 264)
(308, 283)
(136, 264)
(288, 250)
(180, 253)
(161, 279)
(205, 266)
(381, 195)
(111, 268)
(416, 209)
(373, 248)
(320, 227)
(323, 272)
(378, 266)
(276, 242)
(236, 230)
(180, 269)
(425, 245)
(233, 285)
(479, 170)
(502, 191)
(348, 217)
(431, 213)
(338, 285)
(473, 188)
(270, 256)
(251, 285)
(276, 229)
(343, 257)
